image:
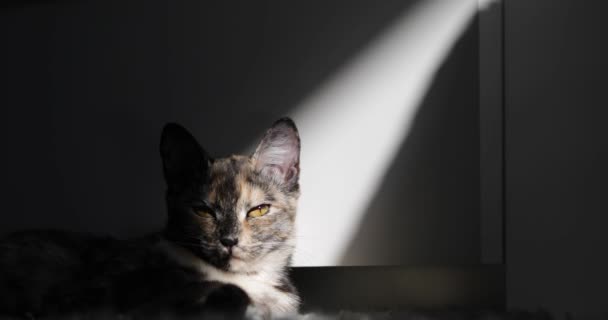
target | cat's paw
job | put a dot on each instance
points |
(228, 300)
(257, 313)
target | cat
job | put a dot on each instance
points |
(225, 249)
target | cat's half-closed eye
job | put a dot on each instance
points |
(204, 211)
(258, 211)
(278, 154)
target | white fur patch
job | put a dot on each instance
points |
(260, 283)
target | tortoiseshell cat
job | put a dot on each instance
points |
(225, 249)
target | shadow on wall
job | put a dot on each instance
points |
(89, 85)
(243, 67)
(427, 208)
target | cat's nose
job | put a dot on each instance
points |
(229, 242)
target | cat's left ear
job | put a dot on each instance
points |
(184, 161)
(278, 154)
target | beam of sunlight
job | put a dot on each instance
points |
(353, 125)
(485, 4)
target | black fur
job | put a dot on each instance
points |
(49, 273)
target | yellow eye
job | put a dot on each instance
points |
(204, 212)
(258, 211)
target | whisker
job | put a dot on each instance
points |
(257, 245)
(192, 244)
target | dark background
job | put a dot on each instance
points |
(556, 156)
(87, 85)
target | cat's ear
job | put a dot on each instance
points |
(184, 160)
(278, 154)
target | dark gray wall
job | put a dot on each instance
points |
(557, 151)
(427, 210)
(89, 84)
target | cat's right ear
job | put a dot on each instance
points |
(278, 154)
(184, 161)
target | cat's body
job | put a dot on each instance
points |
(225, 249)
(59, 273)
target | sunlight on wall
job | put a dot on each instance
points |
(353, 125)
(485, 4)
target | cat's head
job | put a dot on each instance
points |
(238, 212)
